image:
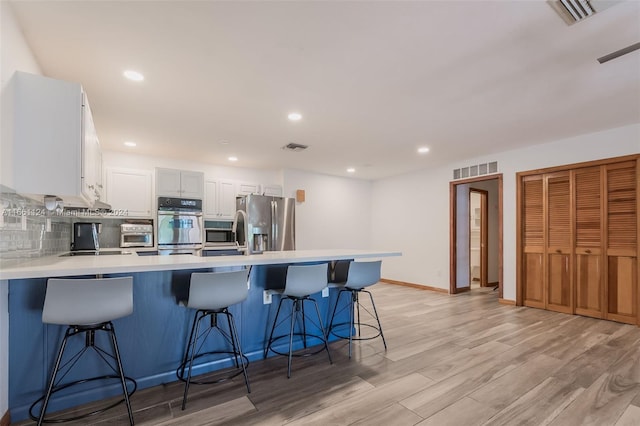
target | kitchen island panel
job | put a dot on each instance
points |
(151, 340)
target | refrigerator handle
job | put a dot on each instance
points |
(274, 225)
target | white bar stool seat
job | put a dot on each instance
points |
(302, 281)
(360, 275)
(85, 306)
(211, 294)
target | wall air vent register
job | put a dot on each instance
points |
(476, 170)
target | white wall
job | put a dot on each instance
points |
(14, 55)
(336, 213)
(133, 161)
(419, 203)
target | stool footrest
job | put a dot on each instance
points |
(353, 336)
(228, 373)
(85, 415)
(297, 353)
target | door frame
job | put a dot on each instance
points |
(453, 210)
(484, 230)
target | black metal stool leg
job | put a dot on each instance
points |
(333, 314)
(186, 352)
(234, 336)
(273, 328)
(193, 352)
(294, 313)
(324, 335)
(114, 342)
(377, 319)
(233, 340)
(351, 319)
(45, 403)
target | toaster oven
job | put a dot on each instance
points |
(136, 235)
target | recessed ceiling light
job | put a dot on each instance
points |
(351, 170)
(133, 75)
(224, 142)
(130, 144)
(232, 158)
(423, 150)
(294, 116)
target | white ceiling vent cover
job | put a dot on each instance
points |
(295, 147)
(572, 11)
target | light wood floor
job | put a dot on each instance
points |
(452, 360)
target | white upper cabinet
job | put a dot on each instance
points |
(52, 146)
(245, 188)
(91, 157)
(179, 183)
(272, 190)
(192, 184)
(130, 192)
(219, 199)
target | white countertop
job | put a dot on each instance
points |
(55, 266)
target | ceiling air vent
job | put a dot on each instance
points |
(295, 147)
(572, 11)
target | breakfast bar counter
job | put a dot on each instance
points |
(152, 339)
(56, 266)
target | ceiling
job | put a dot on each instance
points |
(373, 80)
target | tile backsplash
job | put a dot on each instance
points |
(27, 230)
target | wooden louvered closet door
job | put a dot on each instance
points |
(533, 241)
(559, 242)
(589, 259)
(621, 237)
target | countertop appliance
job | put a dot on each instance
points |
(136, 235)
(179, 226)
(264, 223)
(219, 235)
(85, 236)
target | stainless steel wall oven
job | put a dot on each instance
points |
(179, 226)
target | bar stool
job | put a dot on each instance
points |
(211, 294)
(360, 276)
(302, 281)
(86, 306)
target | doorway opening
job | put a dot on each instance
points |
(478, 237)
(476, 234)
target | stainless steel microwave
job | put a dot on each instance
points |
(219, 237)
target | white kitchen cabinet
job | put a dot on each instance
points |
(272, 190)
(179, 183)
(91, 157)
(245, 188)
(130, 192)
(219, 199)
(51, 145)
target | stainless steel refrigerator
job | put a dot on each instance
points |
(265, 223)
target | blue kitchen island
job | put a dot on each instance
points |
(152, 339)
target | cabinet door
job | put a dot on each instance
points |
(130, 192)
(211, 199)
(559, 242)
(167, 183)
(272, 190)
(622, 222)
(248, 188)
(589, 261)
(192, 184)
(90, 147)
(219, 199)
(227, 199)
(533, 242)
